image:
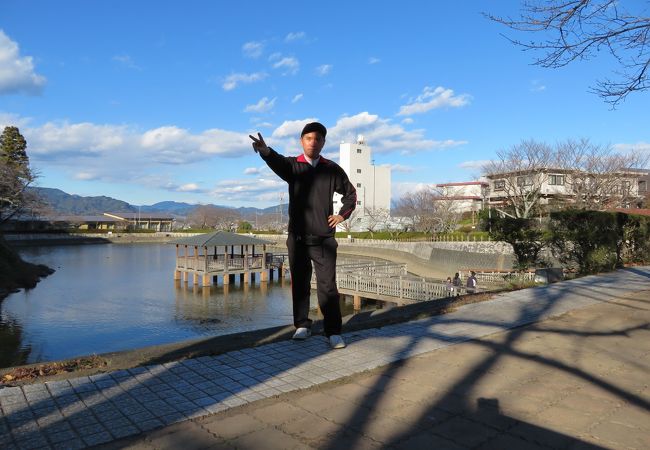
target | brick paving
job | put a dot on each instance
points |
(563, 366)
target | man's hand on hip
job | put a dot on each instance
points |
(259, 145)
(334, 220)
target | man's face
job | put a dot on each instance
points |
(312, 144)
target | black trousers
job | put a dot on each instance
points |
(323, 256)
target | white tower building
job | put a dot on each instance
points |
(371, 182)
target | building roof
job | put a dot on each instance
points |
(219, 238)
(140, 216)
(464, 183)
(636, 211)
(104, 219)
(458, 197)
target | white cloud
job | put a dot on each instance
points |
(537, 86)
(126, 61)
(398, 189)
(84, 176)
(264, 105)
(252, 171)
(637, 147)
(291, 128)
(408, 120)
(433, 98)
(253, 49)
(233, 80)
(14, 120)
(297, 98)
(373, 60)
(381, 134)
(250, 190)
(474, 165)
(84, 138)
(17, 73)
(399, 168)
(290, 65)
(67, 143)
(323, 70)
(292, 37)
(189, 187)
(165, 182)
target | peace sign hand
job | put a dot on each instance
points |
(259, 145)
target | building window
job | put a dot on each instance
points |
(556, 180)
(358, 150)
(359, 202)
(626, 185)
(525, 181)
(358, 170)
(358, 184)
(643, 186)
(499, 185)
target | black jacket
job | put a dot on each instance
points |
(311, 190)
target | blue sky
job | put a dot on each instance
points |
(148, 101)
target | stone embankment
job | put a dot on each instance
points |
(430, 259)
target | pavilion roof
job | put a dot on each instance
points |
(219, 238)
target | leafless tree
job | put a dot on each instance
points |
(593, 176)
(428, 214)
(375, 219)
(573, 30)
(210, 216)
(518, 175)
(598, 177)
(348, 224)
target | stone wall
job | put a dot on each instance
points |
(435, 259)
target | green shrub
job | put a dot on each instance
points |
(525, 237)
(587, 241)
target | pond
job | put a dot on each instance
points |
(113, 297)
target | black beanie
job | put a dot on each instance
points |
(314, 126)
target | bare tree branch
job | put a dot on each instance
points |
(572, 30)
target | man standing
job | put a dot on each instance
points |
(312, 182)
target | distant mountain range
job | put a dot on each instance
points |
(62, 203)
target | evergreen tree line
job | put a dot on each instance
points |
(582, 240)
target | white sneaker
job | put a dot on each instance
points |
(336, 341)
(301, 334)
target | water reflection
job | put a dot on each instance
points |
(111, 297)
(12, 350)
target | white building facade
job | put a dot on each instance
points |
(467, 196)
(373, 183)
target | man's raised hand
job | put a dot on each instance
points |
(259, 145)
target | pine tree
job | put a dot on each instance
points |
(15, 175)
(13, 151)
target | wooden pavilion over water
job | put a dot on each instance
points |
(213, 255)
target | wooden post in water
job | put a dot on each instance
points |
(177, 273)
(187, 274)
(356, 302)
(246, 265)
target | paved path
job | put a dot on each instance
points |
(497, 374)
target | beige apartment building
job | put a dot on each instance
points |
(627, 189)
